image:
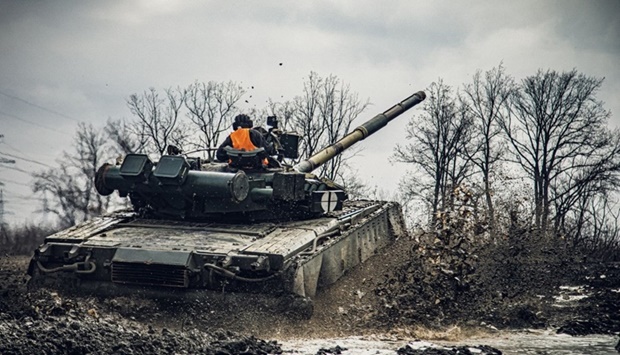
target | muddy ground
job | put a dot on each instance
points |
(47, 322)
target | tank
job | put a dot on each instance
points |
(236, 226)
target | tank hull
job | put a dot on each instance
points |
(124, 252)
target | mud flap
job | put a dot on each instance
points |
(307, 277)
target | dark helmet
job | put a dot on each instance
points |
(242, 121)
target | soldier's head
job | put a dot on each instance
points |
(242, 121)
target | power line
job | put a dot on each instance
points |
(21, 152)
(4, 160)
(21, 200)
(22, 197)
(24, 159)
(39, 106)
(13, 182)
(32, 123)
(17, 169)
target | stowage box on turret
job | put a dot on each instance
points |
(248, 226)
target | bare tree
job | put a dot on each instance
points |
(127, 138)
(593, 227)
(558, 134)
(159, 119)
(322, 115)
(339, 107)
(285, 111)
(68, 191)
(485, 98)
(578, 186)
(604, 233)
(438, 143)
(212, 107)
(306, 118)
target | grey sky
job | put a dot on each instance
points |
(68, 61)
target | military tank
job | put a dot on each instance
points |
(236, 226)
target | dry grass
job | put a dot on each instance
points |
(22, 240)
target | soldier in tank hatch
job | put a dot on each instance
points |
(243, 137)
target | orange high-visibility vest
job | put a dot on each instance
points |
(241, 141)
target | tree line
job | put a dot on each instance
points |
(535, 152)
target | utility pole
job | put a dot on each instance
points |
(1, 208)
(2, 223)
(3, 161)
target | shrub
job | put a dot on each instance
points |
(23, 239)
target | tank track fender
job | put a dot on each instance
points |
(333, 259)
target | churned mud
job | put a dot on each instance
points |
(45, 322)
(356, 309)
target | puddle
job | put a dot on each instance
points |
(534, 343)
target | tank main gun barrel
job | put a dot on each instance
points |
(366, 129)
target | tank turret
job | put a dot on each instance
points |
(182, 187)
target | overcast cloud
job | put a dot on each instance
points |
(63, 62)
